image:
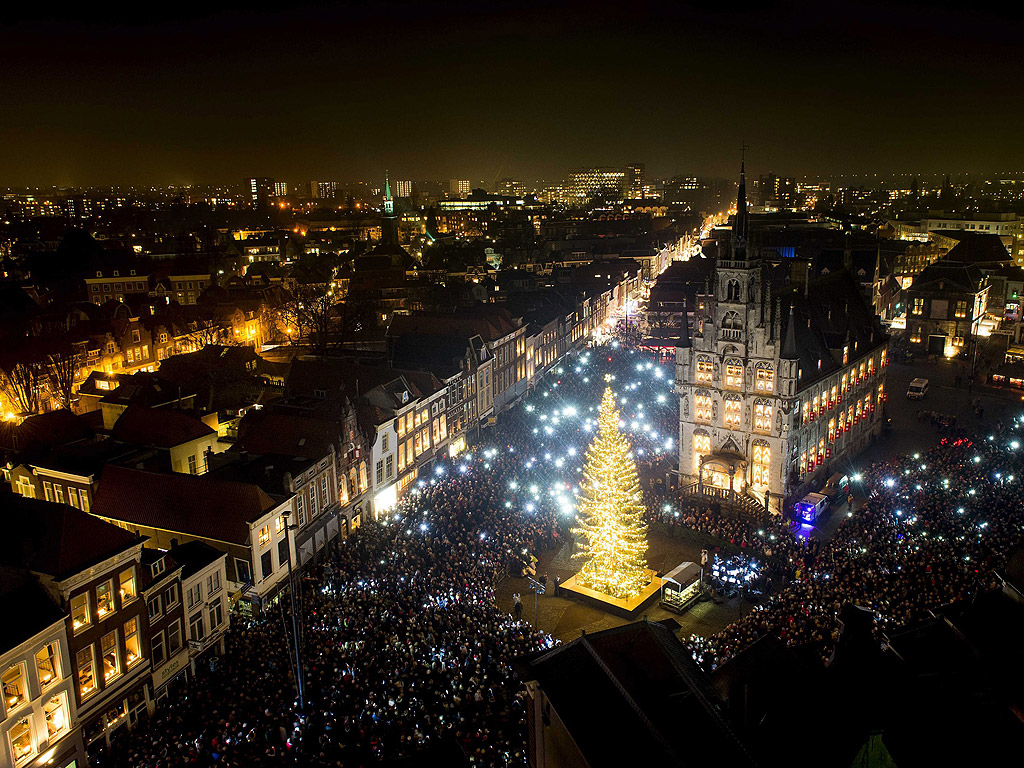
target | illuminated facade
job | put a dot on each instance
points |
(774, 390)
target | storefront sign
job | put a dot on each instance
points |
(169, 670)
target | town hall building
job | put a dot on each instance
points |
(781, 383)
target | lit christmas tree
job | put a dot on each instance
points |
(609, 516)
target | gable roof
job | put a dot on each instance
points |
(193, 504)
(641, 678)
(57, 539)
(158, 427)
(268, 431)
(831, 315)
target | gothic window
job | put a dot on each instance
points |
(705, 369)
(765, 377)
(733, 373)
(701, 446)
(732, 290)
(732, 320)
(732, 408)
(761, 464)
(702, 405)
(763, 415)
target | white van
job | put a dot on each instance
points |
(918, 389)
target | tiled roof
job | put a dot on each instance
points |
(23, 596)
(43, 430)
(193, 504)
(833, 313)
(194, 556)
(158, 427)
(266, 431)
(57, 539)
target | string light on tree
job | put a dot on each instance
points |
(609, 517)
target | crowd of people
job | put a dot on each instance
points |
(404, 648)
(933, 531)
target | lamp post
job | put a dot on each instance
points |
(295, 622)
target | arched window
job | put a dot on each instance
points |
(705, 369)
(764, 377)
(733, 373)
(701, 446)
(761, 463)
(732, 290)
(763, 415)
(702, 405)
(732, 407)
(732, 320)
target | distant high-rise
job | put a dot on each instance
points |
(635, 181)
(280, 188)
(260, 190)
(403, 189)
(586, 183)
(510, 188)
(459, 186)
(328, 190)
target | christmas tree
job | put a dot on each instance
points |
(609, 517)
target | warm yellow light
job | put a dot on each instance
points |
(609, 518)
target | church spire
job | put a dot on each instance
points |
(741, 228)
(388, 220)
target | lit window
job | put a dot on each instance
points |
(104, 598)
(20, 737)
(15, 693)
(132, 647)
(803, 462)
(108, 655)
(56, 710)
(961, 309)
(127, 579)
(48, 664)
(763, 416)
(732, 407)
(918, 308)
(701, 447)
(705, 370)
(279, 524)
(733, 374)
(765, 378)
(86, 671)
(702, 403)
(264, 536)
(831, 430)
(80, 618)
(761, 465)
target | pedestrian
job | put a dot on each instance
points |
(849, 503)
(517, 606)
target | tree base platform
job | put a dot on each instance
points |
(614, 605)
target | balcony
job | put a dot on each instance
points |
(731, 334)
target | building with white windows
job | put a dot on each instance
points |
(779, 383)
(40, 724)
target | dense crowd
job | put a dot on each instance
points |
(932, 532)
(404, 647)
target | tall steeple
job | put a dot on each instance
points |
(388, 220)
(742, 226)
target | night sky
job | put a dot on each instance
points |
(209, 92)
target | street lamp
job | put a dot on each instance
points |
(295, 622)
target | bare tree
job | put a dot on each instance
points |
(310, 311)
(21, 374)
(62, 366)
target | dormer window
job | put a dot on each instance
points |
(158, 567)
(320, 393)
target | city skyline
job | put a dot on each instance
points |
(442, 90)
